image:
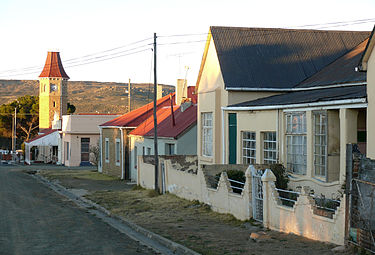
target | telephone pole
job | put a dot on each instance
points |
(129, 109)
(155, 123)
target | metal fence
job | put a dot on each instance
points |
(236, 186)
(287, 197)
(362, 214)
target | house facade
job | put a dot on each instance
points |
(114, 141)
(79, 136)
(177, 132)
(278, 98)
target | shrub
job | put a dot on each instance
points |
(282, 178)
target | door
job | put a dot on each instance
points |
(232, 130)
(85, 150)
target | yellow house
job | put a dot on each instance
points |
(282, 95)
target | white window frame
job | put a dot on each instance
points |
(296, 142)
(269, 147)
(320, 120)
(117, 151)
(106, 150)
(207, 134)
(248, 147)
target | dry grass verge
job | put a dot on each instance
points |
(196, 226)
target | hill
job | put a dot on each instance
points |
(88, 96)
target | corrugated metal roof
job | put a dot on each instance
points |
(278, 58)
(183, 121)
(339, 72)
(53, 66)
(136, 117)
(309, 96)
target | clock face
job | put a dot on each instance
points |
(53, 87)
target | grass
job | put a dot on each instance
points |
(81, 174)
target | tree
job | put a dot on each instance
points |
(27, 108)
(71, 108)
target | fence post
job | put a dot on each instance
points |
(348, 188)
(267, 178)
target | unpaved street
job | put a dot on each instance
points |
(35, 220)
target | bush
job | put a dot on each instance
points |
(282, 178)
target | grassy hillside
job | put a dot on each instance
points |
(88, 96)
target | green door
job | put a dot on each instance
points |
(232, 121)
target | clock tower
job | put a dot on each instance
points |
(53, 91)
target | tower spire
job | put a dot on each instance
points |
(53, 66)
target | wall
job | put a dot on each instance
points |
(371, 106)
(184, 179)
(110, 167)
(75, 147)
(301, 219)
(187, 143)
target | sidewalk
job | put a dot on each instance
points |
(188, 223)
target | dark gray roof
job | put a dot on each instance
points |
(339, 72)
(309, 96)
(274, 58)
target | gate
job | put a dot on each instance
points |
(362, 212)
(257, 194)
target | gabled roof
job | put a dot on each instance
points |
(362, 66)
(309, 96)
(183, 121)
(53, 66)
(341, 71)
(273, 58)
(134, 118)
(45, 133)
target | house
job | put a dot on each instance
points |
(282, 95)
(367, 64)
(177, 132)
(114, 142)
(79, 136)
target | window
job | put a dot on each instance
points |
(117, 152)
(269, 148)
(67, 151)
(106, 149)
(296, 142)
(248, 148)
(85, 149)
(143, 150)
(148, 151)
(207, 134)
(135, 157)
(169, 149)
(320, 143)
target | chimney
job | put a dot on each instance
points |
(181, 91)
(159, 92)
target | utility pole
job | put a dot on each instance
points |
(129, 109)
(155, 123)
(14, 134)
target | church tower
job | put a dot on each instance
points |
(53, 91)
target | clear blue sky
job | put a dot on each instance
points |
(29, 28)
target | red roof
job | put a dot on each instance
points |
(183, 121)
(53, 66)
(45, 133)
(136, 117)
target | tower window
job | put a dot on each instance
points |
(54, 104)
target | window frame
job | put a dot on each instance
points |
(106, 150)
(320, 169)
(117, 151)
(247, 158)
(296, 142)
(269, 147)
(207, 134)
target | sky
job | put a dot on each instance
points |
(85, 32)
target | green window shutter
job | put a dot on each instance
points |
(232, 121)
